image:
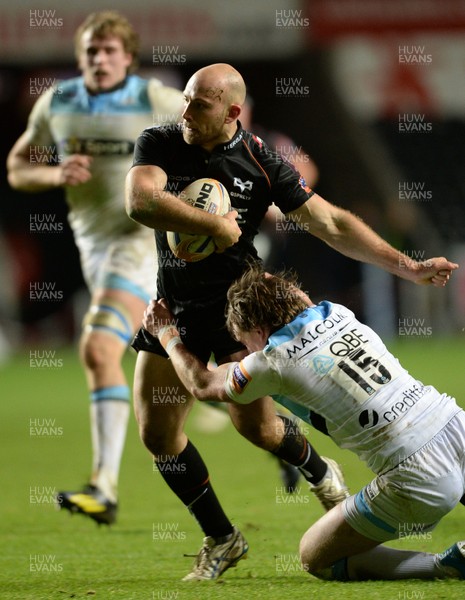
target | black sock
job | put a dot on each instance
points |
(297, 450)
(187, 476)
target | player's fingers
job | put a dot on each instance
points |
(75, 175)
(83, 160)
(452, 266)
(439, 281)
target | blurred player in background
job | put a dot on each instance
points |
(92, 122)
(211, 143)
(281, 143)
(270, 242)
(321, 358)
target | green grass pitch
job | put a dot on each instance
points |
(51, 555)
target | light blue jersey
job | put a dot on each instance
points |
(326, 361)
(104, 126)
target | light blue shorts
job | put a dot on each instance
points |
(409, 500)
(127, 263)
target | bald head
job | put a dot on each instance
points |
(221, 82)
(213, 99)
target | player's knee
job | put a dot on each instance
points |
(156, 433)
(307, 558)
(149, 436)
(109, 318)
(158, 440)
(97, 351)
(106, 331)
(309, 564)
(313, 565)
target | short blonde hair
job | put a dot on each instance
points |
(259, 299)
(110, 23)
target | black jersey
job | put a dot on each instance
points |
(254, 177)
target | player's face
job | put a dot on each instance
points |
(103, 62)
(204, 116)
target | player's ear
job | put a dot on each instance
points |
(128, 60)
(233, 113)
(81, 61)
(263, 334)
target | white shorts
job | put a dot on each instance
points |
(409, 500)
(128, 262)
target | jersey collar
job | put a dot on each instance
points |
(232, 143)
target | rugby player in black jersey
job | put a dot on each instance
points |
(211, 143)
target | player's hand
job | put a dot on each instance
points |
(157, 316)
(74, 170)
(231, 232)
(433, 271)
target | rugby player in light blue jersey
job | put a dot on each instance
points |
(90, 124)
(321, 359)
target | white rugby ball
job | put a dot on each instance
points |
(209, 195)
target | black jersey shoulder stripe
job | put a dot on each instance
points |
(256, 161)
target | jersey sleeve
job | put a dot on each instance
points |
(151, 149)
(167, 103)
(290, 190)
(251, 379)
(38, 125)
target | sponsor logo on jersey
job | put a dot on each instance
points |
(323, 364)
(368, 418)
(234, 142)
(239, 195)
(409, 398)
(243, 185)
(240, 378)
(97, 147)
(303, 185)
(371, 490)
(301, 343)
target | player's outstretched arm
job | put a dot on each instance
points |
(202, 383)
(349, 235)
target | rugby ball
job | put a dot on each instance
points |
(206, 194)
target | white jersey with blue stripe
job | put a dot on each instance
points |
(326, 361)
(104, 126)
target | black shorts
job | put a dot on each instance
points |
(203, 332)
